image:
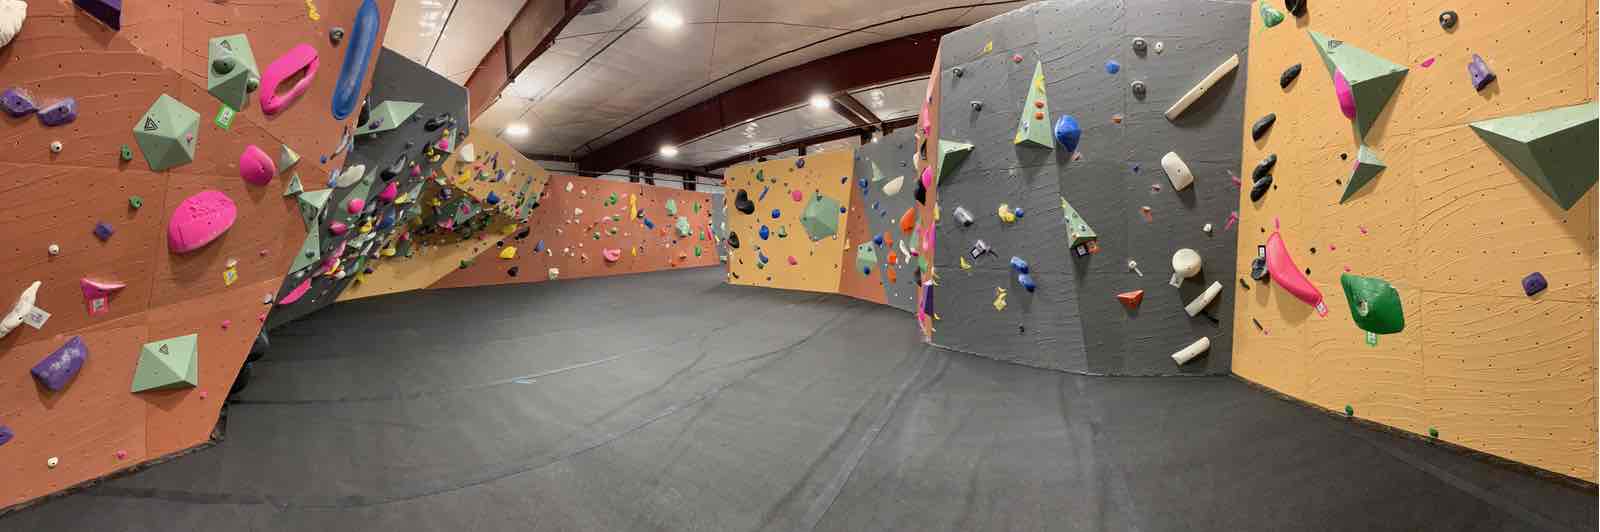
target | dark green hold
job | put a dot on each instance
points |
(135, 201)
(1374, 304)
(1349, 411)
(1433, 432)
(127, 153)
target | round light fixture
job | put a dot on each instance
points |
(669, 151)
(819, 101)
(517, 130)
(666, 19)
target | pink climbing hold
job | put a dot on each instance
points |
(927, 177)
(300, 58)
(226, 324)
(796, 195)
(199, 219)
(355, 205)
(256, 167)
(295, 295)
(792, 261)
(390, 192)
(1288, 276)
(612, 254)
(338, 228)
(93, 289)
(1347, 100)
(1427, 62)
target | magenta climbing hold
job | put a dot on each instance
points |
(338, 228)
(301, 58)
(1347, 100)
(1280, 265)
(390, 191)
(927, 177)
(255, 167)
(355, 205)
(611, 254)
(796, 195)
(199, 219)
(17, 102)
(298, 292)
(62, 112)
(1479, 70)
(792, 261)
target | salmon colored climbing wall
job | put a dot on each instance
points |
(928, 157)
(94, 426)
(817, 264)
(429, 264)
(1450, 223)
(574, 242)
(852, 282)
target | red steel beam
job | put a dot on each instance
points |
(874, 64)
(530, 33)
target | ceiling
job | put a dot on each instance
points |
(617, 70)
(450, 37)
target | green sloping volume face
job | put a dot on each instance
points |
(1373, 80)
(951, 155)
(1555, 149)
(167, 133)
(1033, 127)
(866, 257)
(388, 115)
(821, 217)
(168, 364)
(1078, 230)
(233, 85)
(1374, 304)
(1367, 168)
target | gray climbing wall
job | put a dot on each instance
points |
(1073, 320)
(719, 222)
(393, 78)
(881, 162)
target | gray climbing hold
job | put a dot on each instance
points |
(1288, 76)
(1138, 89)
(957, 71)
(1261, 126)
(1140, 45)
(977, 105)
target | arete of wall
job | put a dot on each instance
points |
(1055, 59)
(1451, 224)
(778, 193)
(93, 425)
(580, 220)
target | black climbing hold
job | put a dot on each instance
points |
(394, 169)
(921, 194)
(1264, 168)
(1138, 89)
(1258, 269)
(742, 203)
(523, 234)
(512, 272)
(500, 244)
(1288, 76)
(336, 35)
(733, 240)
(1296, 7)
(957, 71)
(433, 124)
(1261, 126)
(1258, 189)
(800, 163)
(1448, 19)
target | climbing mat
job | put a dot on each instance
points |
(787, 216)
(888, 166)
(1069, 222)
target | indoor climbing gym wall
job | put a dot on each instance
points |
(585, 227)
(886, 181)
(505, 187)
(786, 221)
(719, 224)
(358, 218)
(1087, 201)
(1419, 248)
(148, 231)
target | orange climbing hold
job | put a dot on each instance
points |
(891, 273)
(908, 221)
(1131, 299)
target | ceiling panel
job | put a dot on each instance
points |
(786, 126)
(894, 101)
(415, 25)
(473, 28)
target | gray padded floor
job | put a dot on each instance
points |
(670, 401)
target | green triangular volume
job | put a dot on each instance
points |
(952, 154)
(1373, 80)
(1553, 148)
(167, 364)
(1367, 168)
(1033, 127)
(1078, 230)
(294, 187)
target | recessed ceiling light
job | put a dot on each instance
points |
(819, 101)
(666, 19)
(517, 130)
(669, 151)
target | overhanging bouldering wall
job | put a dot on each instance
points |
(86, 217)
(587, 227)
(411, 124)
(786, 221)
(1022, 207)
(1452, 223)
(887, 166)
(498, 173)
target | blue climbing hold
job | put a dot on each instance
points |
(538, 247)
(799, 163)
(1068, 132)
(1112, 66)
(649, 224)
(1018, 265)
(492, 199)
(776, 214)
(1026, 281)
(387, 221)
(866, 270)
(765, 233)
(877, 240)
(1017, 211)
(363, 35)
(863, 183)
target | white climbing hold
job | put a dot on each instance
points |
(12, 14)
(350, 176)
(468, 154)
(1200, 88)
(21, 310)
(1200, 303)
(1134, 265)
(1188, 353)
(1177, 172)
(1206, 228)
(893, 186)
(54, 250)
(52, 462)
(56, 147)
(1185, 264)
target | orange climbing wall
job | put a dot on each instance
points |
(431, 263)
(57, 198)
(570, 241)
(851, 281)
(928, 156)
(817, 264)
(1450, 224)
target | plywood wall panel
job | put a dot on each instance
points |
(266, 221)
(817, 267)
(852, 281)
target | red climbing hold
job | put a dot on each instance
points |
(1132, 299)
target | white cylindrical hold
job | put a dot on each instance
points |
(1183, 356)
(1177, 172)
(1200, 88)
(1200, 303)
(1185, 264)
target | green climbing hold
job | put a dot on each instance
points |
(388, 115)
(783, 231)
(1034, 125)
(672, 207)
(682, 225)
(1348, 411)
(294, 187)
(760, 176)
(611, 200)
(225, 79)
(866, 257)
(127, 153)
(951, 155)
(1270, 16)
(821, 217)
(697, 251)
(1367, 168)
(1078, 230)
(135, 201)
(167, 133)
(168, 364)
(466, 264)
(1433, 432)
(1554, 149)
(1372, 79)
(696, 206)
(1374, 304)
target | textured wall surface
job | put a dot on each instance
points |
(881, 162)
(94, 426)
(1449, 223)
(817, 263)
(1073, 321)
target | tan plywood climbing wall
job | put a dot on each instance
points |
(94, 426)
(852, 282)
(579, 218)
(1450, 224)
(816, 264)
(430, 263)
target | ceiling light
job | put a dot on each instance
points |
(666, 19)
(819, 101)
(669, 151)
(517, 130)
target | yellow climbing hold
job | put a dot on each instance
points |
(1006, 214)
(311, 11)
(999, 299)
(964, 264)
(510, 252)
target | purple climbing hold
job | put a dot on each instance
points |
(6, 435)
(800, 163)
(62, 112)
(17, 102)
(108, 11)
(1481, 75)
(55, 370)
(103, 231)
(1534, 283)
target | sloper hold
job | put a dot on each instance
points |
(353, 73)
(1078, 230)
(1367, 168)
(108, 12)
(389, 115)
(167, 133)
(951, 155)
(1288, 76)
(1068, 132)
(59, 113)
(1554, 148)
(200, 219)
(58, 368)
(168, 364)
(1374, 304)
(1033, 126)
(821, 217)
(17, 102)
(1372, 79)
(742, 203)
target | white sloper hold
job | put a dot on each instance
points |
(1177, 172)
(350, 176)
(24, 305)
(468, 154)
(1200, 303)
(893, 186)
(1183, 356)
(1185, 264)
(1200, 88)
(12, 13)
